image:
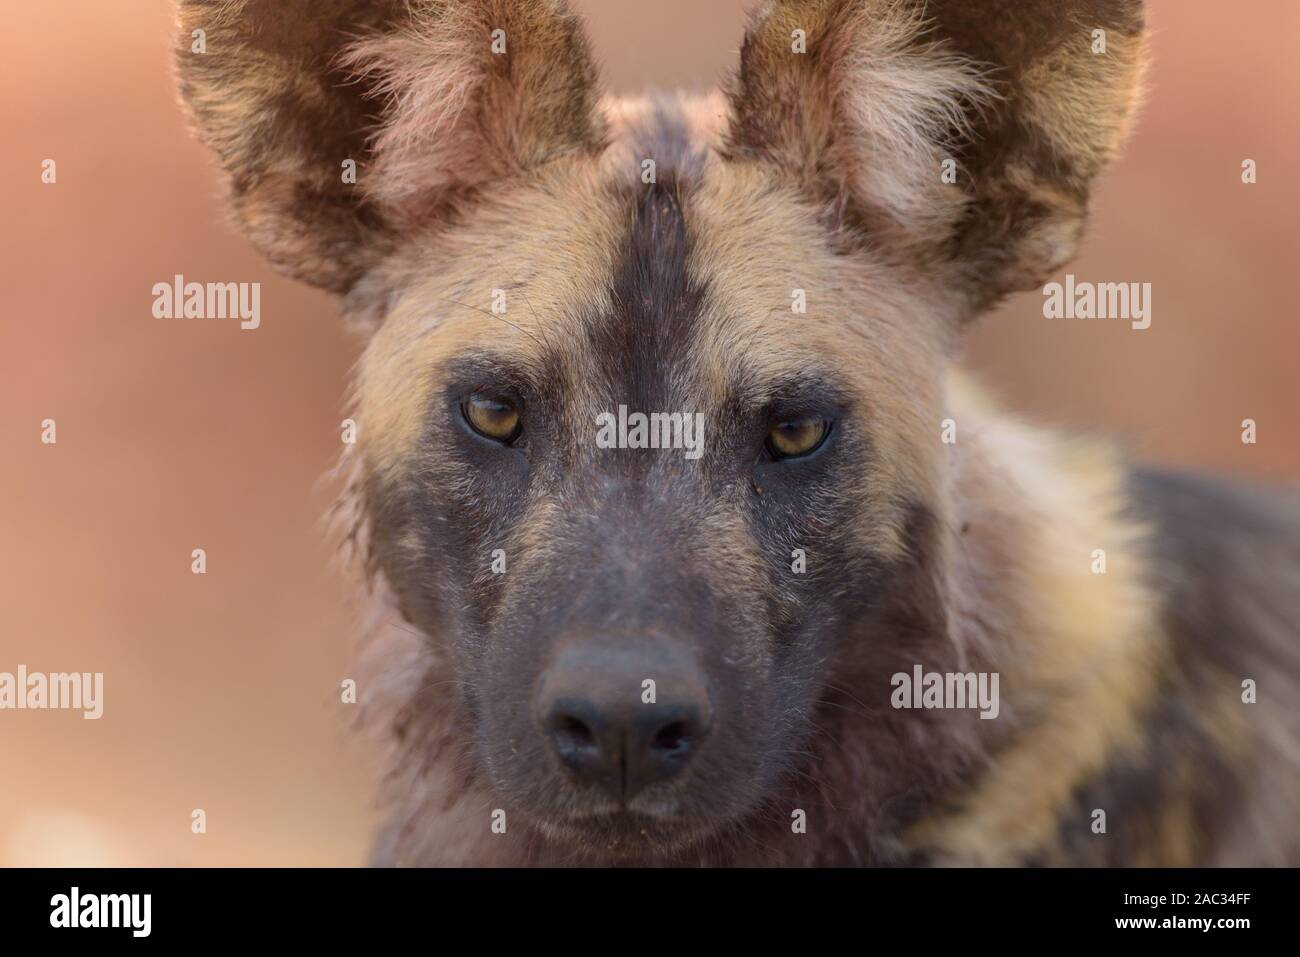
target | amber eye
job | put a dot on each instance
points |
(794, 437)
(493, 418)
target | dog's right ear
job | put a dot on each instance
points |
(429, 101)
(964, 135)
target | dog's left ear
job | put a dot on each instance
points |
(959, 135)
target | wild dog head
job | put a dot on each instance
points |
(640, 632)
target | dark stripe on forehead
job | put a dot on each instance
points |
(654, 305)
(648, 333)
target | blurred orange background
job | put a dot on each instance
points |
(222, 690)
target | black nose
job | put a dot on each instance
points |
(594, 705)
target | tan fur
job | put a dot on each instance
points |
(446, 311)
(753, 251)
(1087, 647)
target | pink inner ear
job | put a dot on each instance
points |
(474, 92)
(429, 142)
(871, 120)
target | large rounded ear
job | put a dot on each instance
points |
(961, 135)
(342, 123)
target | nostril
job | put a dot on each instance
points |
(572, 732)
(574, 739)
(672, 737)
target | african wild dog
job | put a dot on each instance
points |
(519, 278)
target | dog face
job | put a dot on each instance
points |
(565, 574)
(650, 418)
